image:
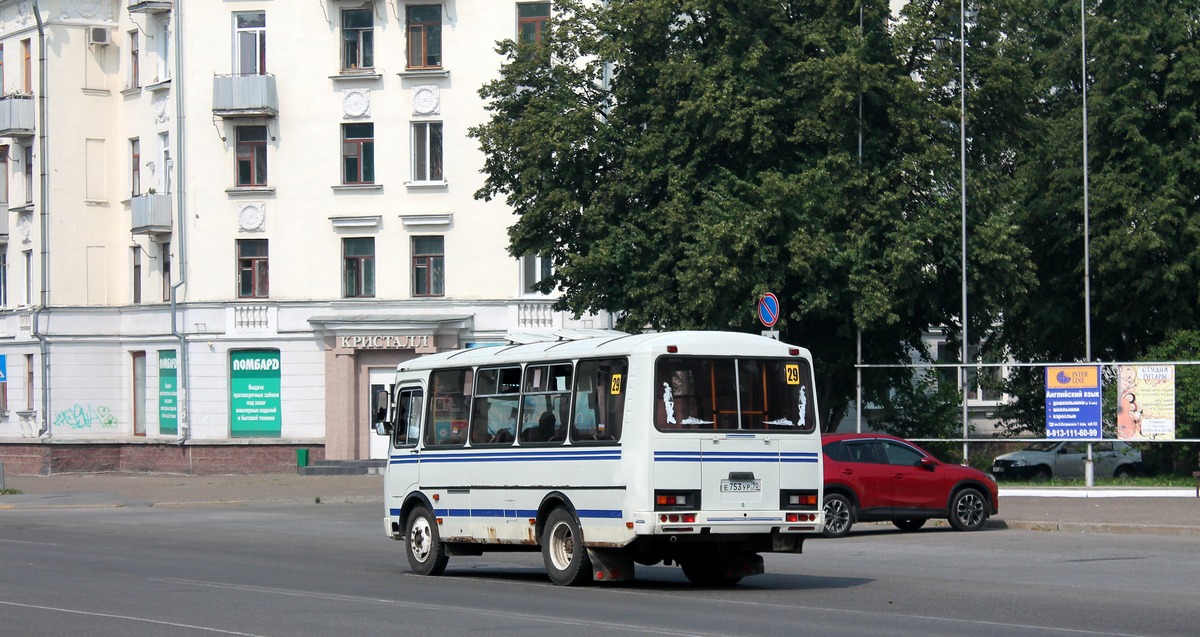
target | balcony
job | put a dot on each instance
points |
(149, 6)
(245, 96)
(151, 214)
(16, 116)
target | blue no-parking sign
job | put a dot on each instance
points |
(768, 309)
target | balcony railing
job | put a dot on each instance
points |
(151, 214)
(535, 314)
(16, 116)
(149, 6)
(245, 96)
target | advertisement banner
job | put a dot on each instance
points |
(1146, 402)
(254, 408)
(1073, 402)
(168, 396)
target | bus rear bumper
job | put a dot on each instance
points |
(725, 523)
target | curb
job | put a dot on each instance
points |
(1104, 492)
(1103, 527)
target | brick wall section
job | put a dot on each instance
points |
(44, 458)
(25, 459)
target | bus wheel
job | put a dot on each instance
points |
(562, 550)
(426, 553)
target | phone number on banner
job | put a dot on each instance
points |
(1074, 432)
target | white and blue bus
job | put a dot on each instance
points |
(700, 449)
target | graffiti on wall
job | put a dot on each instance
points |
(85, 417)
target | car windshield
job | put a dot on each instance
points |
(1041, 446)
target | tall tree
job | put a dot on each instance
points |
(1144, 251)
(677, 159)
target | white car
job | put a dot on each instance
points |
(1064, 459)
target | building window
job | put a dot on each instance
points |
(1, 69)
(534, 268)
(427, 151)
(429, 266)
(166, 271)
(358, 263)
(252, 269)
(137, 274)
(425, 36)
(27, 257)
(135, 167)
(358, 39)
(29, 382)
(251, 47)
(27, 152)
(164, 160)
(135, 57)
(27, 66)
(162, 47)
(4, 168)
(251, 155)
(3, 280)
(531, 21)
(358, 153)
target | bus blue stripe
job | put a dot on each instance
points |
(735, 456)
(518, 514)
(505, 456)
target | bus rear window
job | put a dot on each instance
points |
(733, 394)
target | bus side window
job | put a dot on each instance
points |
(599, 400)
(450, 400)
(408, 418)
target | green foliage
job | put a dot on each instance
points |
(677, 159)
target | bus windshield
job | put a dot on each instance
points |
(733, 394)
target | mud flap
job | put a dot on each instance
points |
(611, 565)
(789, 543)
(742, 565)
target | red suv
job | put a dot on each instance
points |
(877, 477)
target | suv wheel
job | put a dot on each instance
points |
(839, 515)
(968, 510)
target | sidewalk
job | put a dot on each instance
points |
(162, 490)
(1174, 512)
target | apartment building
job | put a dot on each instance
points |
(227, 222)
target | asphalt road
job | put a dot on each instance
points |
(326, 569)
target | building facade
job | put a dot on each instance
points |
(227, 222)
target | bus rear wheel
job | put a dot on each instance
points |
(426, 553)
(562, 550)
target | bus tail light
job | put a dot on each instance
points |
(673, 500)
(802, 499)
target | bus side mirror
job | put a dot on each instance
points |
(382, 426)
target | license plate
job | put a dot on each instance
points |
(997, 469)
(741, 486)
